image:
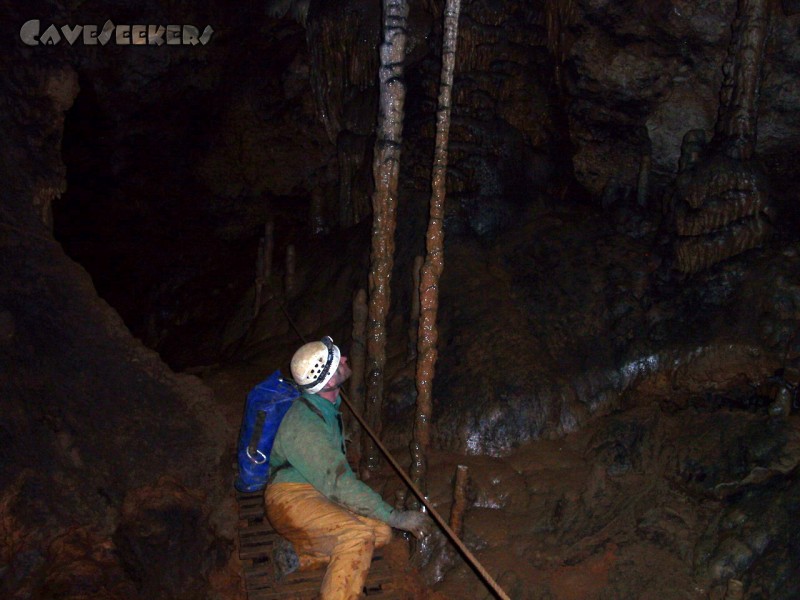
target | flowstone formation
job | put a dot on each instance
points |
(723, 205)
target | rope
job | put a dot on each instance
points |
(407, 480)
(434, 513)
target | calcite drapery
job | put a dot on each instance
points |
(724, 209)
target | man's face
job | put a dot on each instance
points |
(343, 372)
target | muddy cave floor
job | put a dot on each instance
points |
(649, 502)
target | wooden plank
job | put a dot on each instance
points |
(258, 568)
(246, 495)
(251, 512)
(383, 593)
(302, 577)
(260, 581)
(263, 527)
(379, 580)
(252, 553)
(257, 540)
(281, 595)
(252, 501)
(301, 585)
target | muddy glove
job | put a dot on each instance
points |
(410, 520)
(284, 558)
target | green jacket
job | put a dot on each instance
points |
(309, 448)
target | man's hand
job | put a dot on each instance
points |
(412, 521)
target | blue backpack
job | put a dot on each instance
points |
(264, 410)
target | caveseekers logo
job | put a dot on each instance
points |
(123, 35)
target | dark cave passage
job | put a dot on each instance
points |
(131, 216)
(83, 217)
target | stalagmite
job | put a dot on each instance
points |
(692, 147)
(400, 499)
(357, 361)
(734, 590)
(269, 245)
(263, 265)
(413, 324)
(434, 260)
(643, 182)
(290, 270)
(459, 499)
(317, 211)
(386, 169)
(259, 280)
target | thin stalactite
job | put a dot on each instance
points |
(433, 265)
(386, 169)
(290, 277)
(560, 15)
(738, 118)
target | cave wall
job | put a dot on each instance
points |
(643, 74)
(98, 435)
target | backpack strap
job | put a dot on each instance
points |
(252, 448)
(276, 470)
(318, 412)
(311, 407)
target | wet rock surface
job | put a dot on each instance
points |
(575, 320)
(89, 413)
(575, 525)
(165, 544)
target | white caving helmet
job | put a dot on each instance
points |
(315, 363)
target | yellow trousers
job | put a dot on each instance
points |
(324, 532)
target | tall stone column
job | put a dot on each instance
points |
(386, 169)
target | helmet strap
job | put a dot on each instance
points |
(331, 388)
